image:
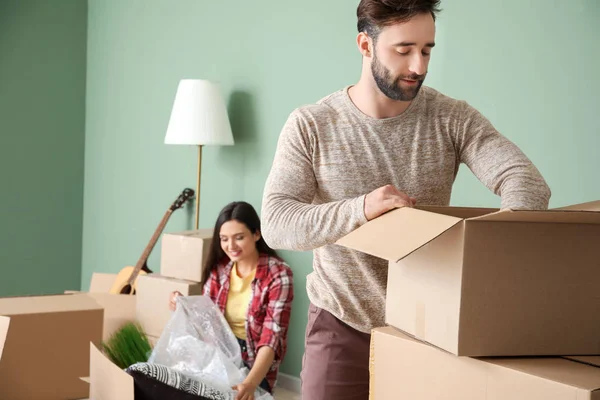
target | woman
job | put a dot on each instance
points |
(253, 287)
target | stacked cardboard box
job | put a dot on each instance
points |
(103, 380)
(183, 254)
(181, 265)
(487, 304)
(49, 345)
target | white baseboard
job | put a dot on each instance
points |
(289, 382)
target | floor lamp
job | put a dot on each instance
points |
(199, 117)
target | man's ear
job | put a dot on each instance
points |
(365, 44)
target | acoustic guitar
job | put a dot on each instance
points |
(126, 280)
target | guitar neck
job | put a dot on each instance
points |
(150, 246)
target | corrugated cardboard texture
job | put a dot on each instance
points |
(101, 283)
(505, 283)
(404, 368)
(119, 309)
(380, 236)
(183, 254)
(591, 360)
(589, 206)
(424, 290)
(4, 325)
(530, 289)
(153, 295)
(46, 350)
(107, 381)
(563, 217)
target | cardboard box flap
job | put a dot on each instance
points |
(398, 233)
(200, 233)
(4, 324)
(590, 360)
(588, 206)
(107, 381)
(45, 304)
(460, 212)
(551, 216)
(556, 369)
(101, 282)
(118, 310)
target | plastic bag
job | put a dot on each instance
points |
(198, 342)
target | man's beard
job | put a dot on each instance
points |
(390, 86)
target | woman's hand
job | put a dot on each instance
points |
(173, 300)
(245, 391)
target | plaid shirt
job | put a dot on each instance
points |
(269, 311)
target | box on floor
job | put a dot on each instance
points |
(483, 282)
(44, 345)
(153, 294)
(104, 380)
(405, 368)
(149, 307)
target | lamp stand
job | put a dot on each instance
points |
(198, 186)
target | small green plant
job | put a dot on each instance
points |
(127, 346)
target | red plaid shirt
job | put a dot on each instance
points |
(270, 307)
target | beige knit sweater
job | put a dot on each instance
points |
(330, 155)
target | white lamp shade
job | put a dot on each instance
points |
(199, 116)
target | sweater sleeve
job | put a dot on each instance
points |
(498, 163)
(290, 220)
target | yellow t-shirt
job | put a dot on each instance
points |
(238, 300)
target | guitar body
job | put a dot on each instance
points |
(121, 284)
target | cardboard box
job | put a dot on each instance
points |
(153, 293)
(482, 282)
(404, 368)
(107, 381)
(44, 346)
(118, 310)
(101, 282)
(183, 254)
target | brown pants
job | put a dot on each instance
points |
(336, 359)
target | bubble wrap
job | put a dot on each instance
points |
(198, 342)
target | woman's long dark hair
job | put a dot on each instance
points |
(243, 213)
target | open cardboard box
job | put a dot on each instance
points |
(485, 282)
(105, 380)
(44, 346)
(404, 368)
(99, 283)
(119, 309)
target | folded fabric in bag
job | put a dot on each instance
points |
(198, 343)
(157, 382)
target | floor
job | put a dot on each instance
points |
(282, 394)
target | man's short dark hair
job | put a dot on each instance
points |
(374, 15)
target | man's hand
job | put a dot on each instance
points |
(245, 391)
(384, 199)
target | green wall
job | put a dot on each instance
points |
(42, 112)
(531, 71)
(531, 67)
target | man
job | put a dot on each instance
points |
(383, 143)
